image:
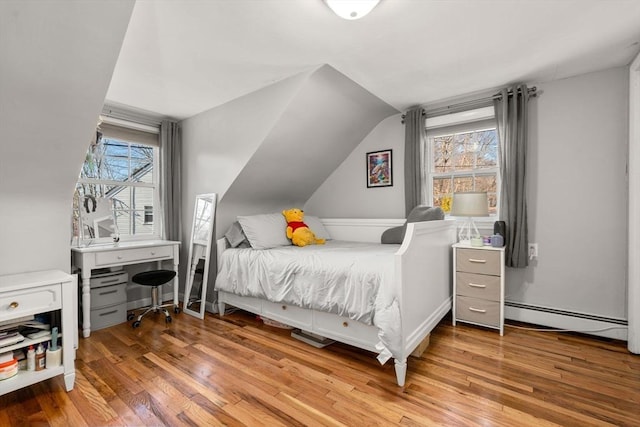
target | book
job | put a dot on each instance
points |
(10, 338)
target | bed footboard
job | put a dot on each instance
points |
(423, 275)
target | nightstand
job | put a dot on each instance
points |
(478, 285)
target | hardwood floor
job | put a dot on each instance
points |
(236, 371)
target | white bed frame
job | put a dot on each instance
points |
(422, 273)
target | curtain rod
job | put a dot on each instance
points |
(532, 91)
(130, 115)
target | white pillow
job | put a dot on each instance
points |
(266, 230)
(315, 225)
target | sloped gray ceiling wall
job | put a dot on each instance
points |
(57, 62)
(217, 144)
(322, 123)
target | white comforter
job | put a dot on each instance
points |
(349, 279)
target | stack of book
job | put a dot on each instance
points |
(9, 338)
(8, 365)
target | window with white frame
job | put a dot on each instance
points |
(462, 155)
(121, 167)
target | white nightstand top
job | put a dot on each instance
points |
(468, 246)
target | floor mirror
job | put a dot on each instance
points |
(204, 214)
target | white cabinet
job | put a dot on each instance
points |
(33, 293)
(478, 285)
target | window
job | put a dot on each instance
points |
(463, 157)
(120, 168)
(148, 214)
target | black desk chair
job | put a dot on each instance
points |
(154, 279)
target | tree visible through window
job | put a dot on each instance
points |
(464, 161)
(122, 172)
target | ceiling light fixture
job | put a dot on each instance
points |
(351, 9)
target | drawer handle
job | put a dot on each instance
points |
(14, 305)
(108, 292)
(152, 253)
(119, 256)
(476, 285)
(108, 313)
(345, 324)
(477, 310)
(478, 261)
(284, 307)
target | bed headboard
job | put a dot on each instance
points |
(359, 229)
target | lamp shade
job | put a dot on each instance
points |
(351, 9)
(470, 204)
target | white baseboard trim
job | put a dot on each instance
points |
(561, 319)
(139, 303)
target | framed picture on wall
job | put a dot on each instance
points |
(379, 170)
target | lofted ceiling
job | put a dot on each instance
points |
(180, 58)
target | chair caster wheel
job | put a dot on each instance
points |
(135, 324)
(130, 316)
(176, 310)
(168, 319)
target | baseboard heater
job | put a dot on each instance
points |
(609, 327)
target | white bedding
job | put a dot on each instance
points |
(350, 279)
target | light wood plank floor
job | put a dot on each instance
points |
(237, 371)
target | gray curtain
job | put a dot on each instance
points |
(414, 137)
(170, 188)
(511, 117)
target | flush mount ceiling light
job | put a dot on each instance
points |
(351, 9)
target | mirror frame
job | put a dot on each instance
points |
(92, 215)
(199, 249)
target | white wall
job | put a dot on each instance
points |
(633, 294)
(577, 196)
(577, 193)
(345, 194)
(57, 61)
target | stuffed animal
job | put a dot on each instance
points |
(298, 231)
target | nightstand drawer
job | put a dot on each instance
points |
(478, 311)
(478, 261)
(478, 286)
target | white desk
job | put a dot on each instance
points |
(123, 253)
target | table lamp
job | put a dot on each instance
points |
(471, 204)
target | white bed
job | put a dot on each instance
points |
(414, 296)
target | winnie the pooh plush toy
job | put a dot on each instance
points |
(297, 230)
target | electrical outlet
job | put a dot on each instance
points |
(533, 250)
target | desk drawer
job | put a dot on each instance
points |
(108, 316)
(126, 256)
(108, 280)
(478, 311)
(479, 261)
(478, 286)
(108, 295)
(30, 301)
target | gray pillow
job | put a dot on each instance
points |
(235, 236)
(315, 224)
(395, 235)
(265, 231)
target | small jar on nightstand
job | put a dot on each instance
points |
(478, 285)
